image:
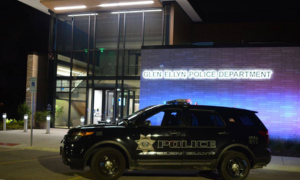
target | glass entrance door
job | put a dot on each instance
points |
(126, 107)
(104, 104)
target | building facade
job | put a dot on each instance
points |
(105, 65)
(96, 63)
(263, 79)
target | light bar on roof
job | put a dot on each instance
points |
(152, 10)
(126, 3)
(70, 7)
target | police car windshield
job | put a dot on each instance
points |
(135, 114)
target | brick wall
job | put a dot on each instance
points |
(32, 71)
(277, 100)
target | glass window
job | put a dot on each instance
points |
(91, 57)
(79, 64)
(121, 31)
(64, 33)
(105, 63)
(92, 34)
(62, 86)
(61, 113)
(169, 117)
(78, 105)
(205, 119)
(132, 63)
(78, 83)
(153, 28)
(63, 64)
(107, 31)
(109, 84)
(81, 24)
(246, 121)
(134, 23)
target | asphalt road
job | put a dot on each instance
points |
(31, 164)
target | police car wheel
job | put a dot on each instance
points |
(108, 164)
(234, 166)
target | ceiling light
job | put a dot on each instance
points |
(69, 7)
(71, 15)
(153, 10)
(126, 3)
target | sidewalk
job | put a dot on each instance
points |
(51, 142)
(41, 140)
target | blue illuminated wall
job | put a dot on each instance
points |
(277, 100)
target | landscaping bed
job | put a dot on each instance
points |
(285, 147)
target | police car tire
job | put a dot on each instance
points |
(224, 162)
(95, 163)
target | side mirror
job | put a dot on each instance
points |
(148, 123)
(145, 124)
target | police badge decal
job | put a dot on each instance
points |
(145, 143)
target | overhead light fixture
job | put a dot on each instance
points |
(71, 15)
(152, 10)
(70, 7)
(126, 3)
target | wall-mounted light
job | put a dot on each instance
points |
(70, 7)
(140, 11)
(126, 3)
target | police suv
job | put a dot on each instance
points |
(173, 135)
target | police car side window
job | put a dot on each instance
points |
(205, 119)
(166, 118)
(156, 119)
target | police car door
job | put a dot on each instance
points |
(202, 137)
(159, 143)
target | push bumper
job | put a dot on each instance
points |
(74, 163)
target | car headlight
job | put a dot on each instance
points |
(78, 134)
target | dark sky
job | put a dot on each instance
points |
(23, 30)
(247, 11)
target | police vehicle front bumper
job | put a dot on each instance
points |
(71, 160)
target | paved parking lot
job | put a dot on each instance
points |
(34, 164)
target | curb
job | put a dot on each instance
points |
(42, 149)
(287, 168)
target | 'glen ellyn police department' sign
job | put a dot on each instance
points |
(208, 74)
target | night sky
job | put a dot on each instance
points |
(247, 11)
(23, 30)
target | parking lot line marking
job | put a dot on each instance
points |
(80, 177)
(11, 162)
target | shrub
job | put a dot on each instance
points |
(13, 124)
(23, 109)
(40, 116)
(58, 111)
(281, 145)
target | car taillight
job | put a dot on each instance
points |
(265, 134)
